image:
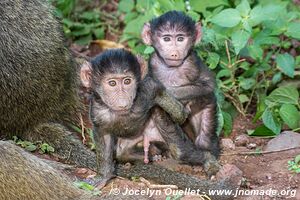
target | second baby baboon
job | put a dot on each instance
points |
(180, 70)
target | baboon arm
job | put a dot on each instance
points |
(191, 91)
(172, 106)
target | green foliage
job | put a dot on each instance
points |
(30, 146)
(294, 165)
(79, 24)
(247, 45)
(87, 187)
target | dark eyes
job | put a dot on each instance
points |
(112, 83)
(127, 81)
(167, 39)
(180, 39)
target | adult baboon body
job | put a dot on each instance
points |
(37, 74)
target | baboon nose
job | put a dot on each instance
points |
(174, 55)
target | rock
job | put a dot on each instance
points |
(251, 146)
(231, 172)
(286, 139)
(227, 143)
(242, 140)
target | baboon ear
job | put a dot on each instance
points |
(146, 34)
(144, 66)
(198, 32)
(86, 74)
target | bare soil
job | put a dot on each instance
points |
(264, 172)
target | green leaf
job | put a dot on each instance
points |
(139, 49)
(130, 16)
(293, 30)
(273, 11)
(243, 98)
(255, 52)
(143, 5)
(200, 6)
(271, 121)
(166, 5)
(244, 8)
(256, 16)
(135, 26)
(66, 6)
(239, 40)
(227, 18)
(223, 73)
(84, 185)
(276, 78)
(179, 5)
(246, 25)
(277, 26)
(269, 40)
(84, 31)
(99, 33)
(283, 95)
(89, 15)
(227, 123)
(246, 83)
(30, 147)
(195, 16)
(262, 131)
(50, 149)
(286, 63)
(290, 115)
(68, 22)
(261, 105)
(126, 5)
(149, 50)
(213, 60)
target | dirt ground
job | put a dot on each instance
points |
(266, 173)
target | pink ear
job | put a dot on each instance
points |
(143, 65)
(85, 74)
(198, 32)
(146, 34)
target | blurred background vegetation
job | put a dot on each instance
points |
(253, 46)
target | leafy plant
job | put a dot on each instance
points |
(80, 23)
(294, 165)
(87, 187)
(247, 45)
(30, 146)
(252, 46)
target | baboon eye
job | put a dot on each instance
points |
(112, 83)
(167, 39)
(180, 39)
(127, 81)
